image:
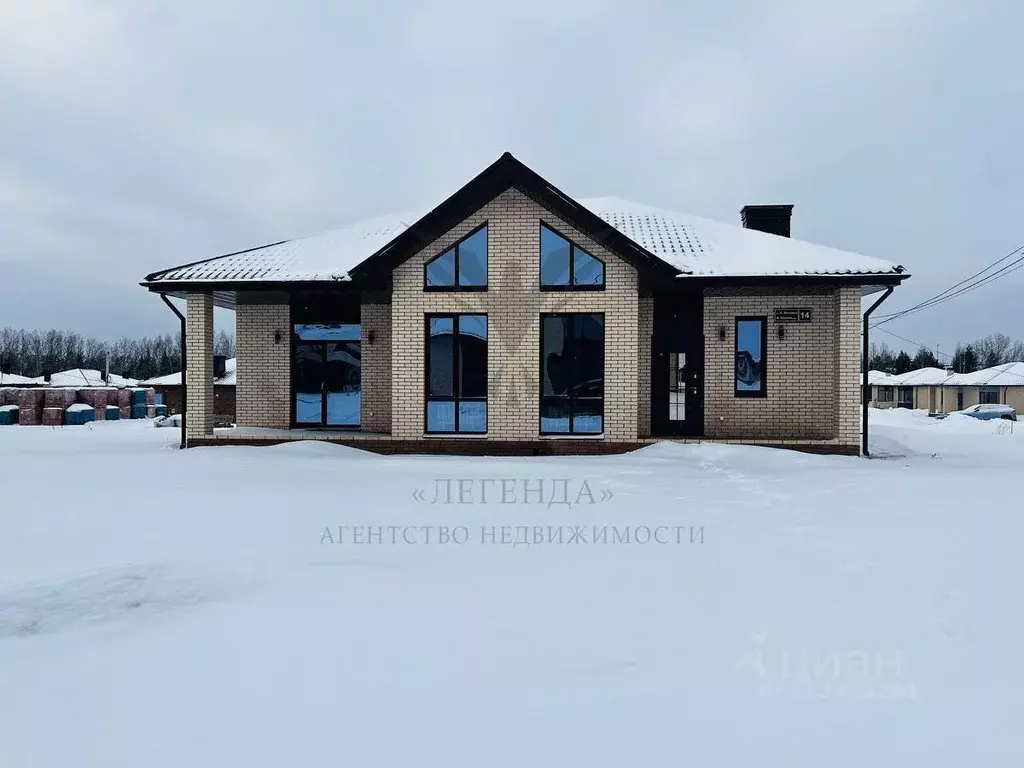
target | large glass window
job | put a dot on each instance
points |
(751, 345)
(456, 368)
(327, 374)
(988, 395)
(564, 265)
(572, 374)
(461, 267)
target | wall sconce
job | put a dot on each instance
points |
(277, 337)
(721, 333)
(782, 332)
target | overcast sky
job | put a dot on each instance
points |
(138, 135)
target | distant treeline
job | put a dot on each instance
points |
(994, 349)
(33, 353)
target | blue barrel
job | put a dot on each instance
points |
(139, 411)
(79, 416)
(161, 410)
(138, 398)
(113, 413)
(9, 414)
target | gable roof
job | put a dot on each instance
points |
(669, 243)
(14, 380)
(174, 379)
(88, 377)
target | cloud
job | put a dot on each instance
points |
(149, 134)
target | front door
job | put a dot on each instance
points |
(326, 375)
(677, 366)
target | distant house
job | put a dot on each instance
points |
(513, 318)
(87, 377)
(169, 392)
(941, 391)
(14, 380)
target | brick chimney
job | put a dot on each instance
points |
(773, 219)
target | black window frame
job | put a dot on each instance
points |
(571, 399)
(983, 391)
(295, 341)
(763, 391)
(886, 394)
(571, 285)
(455, 247)
(456, 352)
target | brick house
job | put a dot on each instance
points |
(512, 318)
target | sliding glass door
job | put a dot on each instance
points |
(326, 379)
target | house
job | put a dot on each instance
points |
(168, 391)
(883, 389)
(513, 318)
(87, 377)
(942, 391)
(14, 380)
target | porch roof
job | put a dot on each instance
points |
(674, 243)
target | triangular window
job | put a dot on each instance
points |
(461, 267)
(566, 266)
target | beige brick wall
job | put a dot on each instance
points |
(376, 371)
(849, 377)
(513, 303)
(808, 371)
(264, 372)
(645, 328)
(199, 364)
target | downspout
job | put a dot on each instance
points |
(184, 367)
(866, 364)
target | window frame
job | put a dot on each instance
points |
(985, 390)
(883, 391)
(456, 247)
(571, 285)
(456, 352)
(763, 391)
(541, 397)
(295, 341)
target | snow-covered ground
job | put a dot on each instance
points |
(203, 608)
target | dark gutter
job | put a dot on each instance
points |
(184, 364)
(865, 364)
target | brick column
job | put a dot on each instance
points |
(263, 369)
(849, 326)
(199, 374)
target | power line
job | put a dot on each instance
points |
(916, 343)
(952, 291)
(1000, 273)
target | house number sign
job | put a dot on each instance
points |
(797, 315)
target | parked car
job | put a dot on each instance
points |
(986, 411)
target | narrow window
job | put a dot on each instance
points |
(461, 267)
(456, 374)
(572, 374)
(566, 266)
(751, 345)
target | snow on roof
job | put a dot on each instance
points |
(174, 379)
(881, 378)
(87, 377)
(923, 377)
(327, 256)
(1005, 375)
(704, 247)
(691, 244)
(14, 380)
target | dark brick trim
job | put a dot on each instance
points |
(460, 447)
